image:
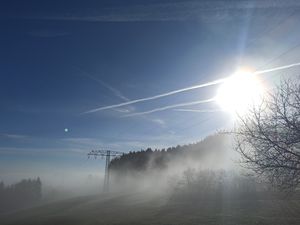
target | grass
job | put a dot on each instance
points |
(138, 209)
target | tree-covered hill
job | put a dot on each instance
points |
(213, 147)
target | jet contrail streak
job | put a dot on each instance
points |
(170, 107)
(198, 110)
(157, 96)
(185, 89)
(277, 68)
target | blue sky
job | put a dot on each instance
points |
(61, 59)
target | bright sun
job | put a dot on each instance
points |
(240, 91)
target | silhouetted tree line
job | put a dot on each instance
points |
(155, 159)
(24, 193)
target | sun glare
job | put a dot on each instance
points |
(239, 92)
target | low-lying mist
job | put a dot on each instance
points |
(160, 171)
(33, 191)
(206, 171)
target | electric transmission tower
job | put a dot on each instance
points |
(108, 154)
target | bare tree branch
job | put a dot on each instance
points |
(268, 137)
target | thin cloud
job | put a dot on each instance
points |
(115, 91)
(198, 110)
(121, 110)
(186, 89)
(118, 94)
(212, 99)
(39, 151)
(171, 11)
(157, 96)
(159, 121)
(170, 107)
(277, 68)
(14, 136)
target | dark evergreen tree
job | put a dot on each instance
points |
(24, 193)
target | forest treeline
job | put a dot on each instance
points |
(22, 194)
(157, 159)
(191, 172)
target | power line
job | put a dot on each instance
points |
(108, 154)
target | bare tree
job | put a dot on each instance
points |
(268, 137)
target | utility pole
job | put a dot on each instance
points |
(108, 154)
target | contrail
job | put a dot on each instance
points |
(198, 110)
(277, 68)
(186, 89)
(158, 96)
(170, 107)
(115, 91)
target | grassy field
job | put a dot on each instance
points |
(138, 209)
